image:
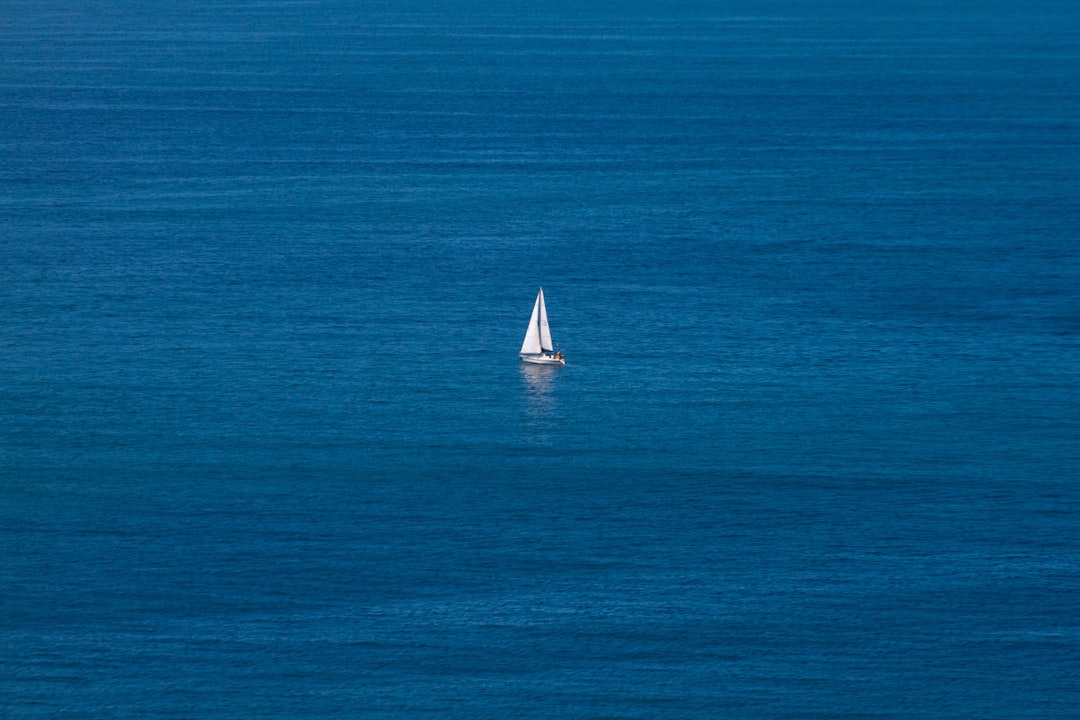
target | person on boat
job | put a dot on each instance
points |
(558, 355)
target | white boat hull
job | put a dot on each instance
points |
(543, 360)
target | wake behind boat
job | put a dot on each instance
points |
(537, 347)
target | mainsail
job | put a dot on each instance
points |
(545, 331)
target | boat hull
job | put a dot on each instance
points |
(543, 360)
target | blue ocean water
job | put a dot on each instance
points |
(266, 448)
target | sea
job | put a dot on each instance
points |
(267, 449)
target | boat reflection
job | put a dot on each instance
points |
(539, 382)
(538, 378)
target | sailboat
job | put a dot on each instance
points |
(537, 346)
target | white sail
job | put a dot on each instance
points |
(531, 344)
(545, 331)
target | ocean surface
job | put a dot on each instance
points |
(267, 450)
